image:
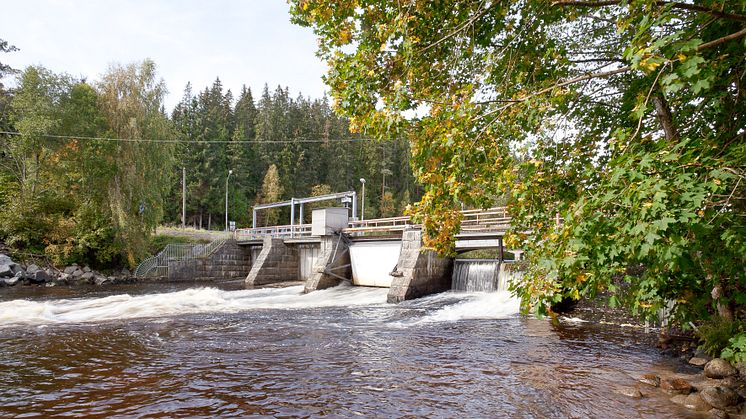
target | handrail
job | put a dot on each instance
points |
(159, 264)
(472, 220)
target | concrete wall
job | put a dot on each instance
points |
(418, 273)
(330, 265)
(276, 263)
(227, 262)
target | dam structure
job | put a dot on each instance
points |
(336, 247)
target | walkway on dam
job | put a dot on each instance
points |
(479, 229)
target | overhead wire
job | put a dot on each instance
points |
(145, 140)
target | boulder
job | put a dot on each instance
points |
(717, 414)
(101, 280)
(695, 401)
(32, 269)
(719, 368)
(676, 386)
(651, 380)
(697, 361)
(741, 367)
(86, 269)
(87, 277)
(6, 270)
(719, 397)
(70, 269)
(11, 281)
(77, 273)
(39, 277)
(64, 278)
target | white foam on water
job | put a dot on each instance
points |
(193, 300)
(479, 305)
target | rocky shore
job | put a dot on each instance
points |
(718, 391)
(13, 273)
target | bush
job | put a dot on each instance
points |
(736, 350)
(716, 335)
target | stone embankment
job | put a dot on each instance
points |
(12, 273)
(719, 391)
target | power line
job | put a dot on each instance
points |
(143, 140)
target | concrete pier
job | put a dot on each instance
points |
(332, 266)
(418, 273)
(276, 263)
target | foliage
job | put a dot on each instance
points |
(735, 352)
(73, 196)
(715, 335)
(624, 118)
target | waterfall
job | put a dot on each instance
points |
(481, 275)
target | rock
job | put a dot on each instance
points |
(87, 277)
(741, 368)
(11, 281)
(86, 269)
(32, 269)
(679, 399)
(697, 361)
(676, 386)
(719, 397)
(651, 380)
(70, 269)
(6, 270)
(39, 277)
(719, 368)
(694, 401)
(101, 280)
(632, 392)
(717, 414)
(64, 278)
(126, 272)
(50, 284)
(77, 273)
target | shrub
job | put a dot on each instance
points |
(716, 335)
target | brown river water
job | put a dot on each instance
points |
(170, 350)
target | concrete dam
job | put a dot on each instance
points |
(385, 253)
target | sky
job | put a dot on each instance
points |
(249, 42)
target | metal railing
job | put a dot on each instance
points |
(158, 265)
(473, 221)
(280, 232)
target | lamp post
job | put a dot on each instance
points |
(226, 198)
(362, 201)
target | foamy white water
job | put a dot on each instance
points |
(194, 300)
(493, 305)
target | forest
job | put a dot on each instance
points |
(89, 169)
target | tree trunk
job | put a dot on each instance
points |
(209, 221)
(664, 117)
(725, 311)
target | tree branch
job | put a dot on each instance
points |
(719, 41)
(676, 5)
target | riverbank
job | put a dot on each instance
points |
(709, 387)
(41, 273)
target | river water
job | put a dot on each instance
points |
(176, 350)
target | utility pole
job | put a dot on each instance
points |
(362, 201)
(183, 197)
(226, 198)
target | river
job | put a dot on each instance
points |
(219, 350)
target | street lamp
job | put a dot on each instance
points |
(362, 201)
(230, 172)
